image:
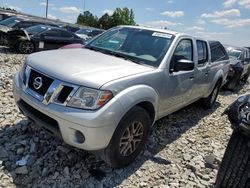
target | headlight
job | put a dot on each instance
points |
(91, 99)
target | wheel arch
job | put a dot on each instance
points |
(140, 95)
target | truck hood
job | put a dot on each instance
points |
(84, 67)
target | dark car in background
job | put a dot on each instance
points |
(239, 68)
(39, 38)
(19, 23)
(6, 25)
(71, 28)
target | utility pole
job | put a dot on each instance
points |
(84, 5)
(47, 4)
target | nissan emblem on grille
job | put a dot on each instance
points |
(37, 83)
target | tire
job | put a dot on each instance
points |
(118, 155)
(210, 100)
(245, 77)
(26, 47)
(233, 83)
(235, 166)
(1, 40)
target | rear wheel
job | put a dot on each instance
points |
(26, 47)
(128, 139)
(235, 166)
(210, 100)
(245, 77)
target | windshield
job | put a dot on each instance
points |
(10, 22)
(83, 31)
(234, 53)
(140, 45)
(36, 29)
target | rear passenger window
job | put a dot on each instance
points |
(202, 52)
(218, 54)
(51, 33)
(65, 34)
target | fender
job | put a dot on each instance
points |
(134, 95)
(218, 75)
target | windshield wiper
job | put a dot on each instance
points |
(125, 57)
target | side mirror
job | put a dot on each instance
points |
(183, 65)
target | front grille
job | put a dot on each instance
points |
(46, 82)
(64, 94)
(50, 90)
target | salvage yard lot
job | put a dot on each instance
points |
(183, 150)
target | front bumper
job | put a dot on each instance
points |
(96, 126)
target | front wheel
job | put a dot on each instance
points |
(26, 47)
(210, 100)
(128, 139)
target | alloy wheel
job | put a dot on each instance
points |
(131, 138)
(27, 47)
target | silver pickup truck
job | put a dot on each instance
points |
(106, 96)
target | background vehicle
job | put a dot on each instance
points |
(6, 25)
(19, 23)
(72, 46)
(106, 96)
(88, 33)
(239, 66)
(40, 37)
(235, 166)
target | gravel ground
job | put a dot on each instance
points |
(184, 149)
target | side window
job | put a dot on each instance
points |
(184, 50)
(218, 54)
(202, 52)
(65, 34)
(51, 33)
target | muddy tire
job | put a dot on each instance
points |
(235, 166)
(211, 99)
(128, 139)
(245, 77)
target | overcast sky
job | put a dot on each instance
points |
(227, 21)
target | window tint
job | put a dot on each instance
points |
(52, 33)
(218, 53)
(202, 52)
(65, 34)
(184, 50)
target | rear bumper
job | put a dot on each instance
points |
(64, 122)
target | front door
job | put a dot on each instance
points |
(179, 84)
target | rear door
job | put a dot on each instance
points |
(202, 70)
(49, 40)
(65, 38)
(219, 61)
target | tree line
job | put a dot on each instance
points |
(121, 16)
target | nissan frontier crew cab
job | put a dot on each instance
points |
(106, 96)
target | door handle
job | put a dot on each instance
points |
(206, 74)
(191, 77)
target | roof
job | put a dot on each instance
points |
(152, 29)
